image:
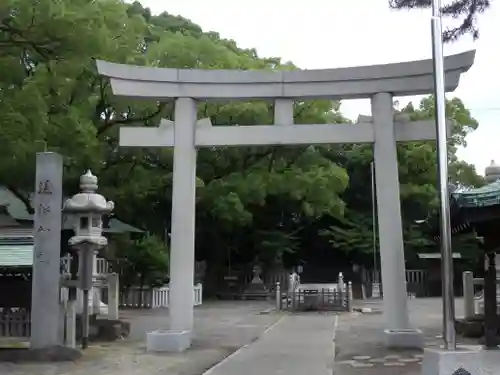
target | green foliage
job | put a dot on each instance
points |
(354, 232)
(251, 202)
(465, 10)
(142, 262)
(417, 176)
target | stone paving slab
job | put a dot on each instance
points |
(297, 345)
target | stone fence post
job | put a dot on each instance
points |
(468, 285)
(350, 296)
(113, 295)
(341, 284)
(278, 296)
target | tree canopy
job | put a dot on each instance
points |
(465, 10)
(277, 204)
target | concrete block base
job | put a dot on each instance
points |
(168, 341)
(404, 338)
(463, 361)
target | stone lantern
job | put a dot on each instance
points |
(86, 209)
(492, 172)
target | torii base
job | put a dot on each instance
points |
(404, 338)
(166, 341)
(465, 360)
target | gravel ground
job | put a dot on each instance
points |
(220, 329)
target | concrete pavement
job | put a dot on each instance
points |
(360, 340)
(296, 345)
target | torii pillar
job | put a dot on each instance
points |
(379, 83)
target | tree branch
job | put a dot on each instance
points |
(22, 197)
(465, 9)
(108, 124)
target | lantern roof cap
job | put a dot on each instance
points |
(88, 200)
(492, 172)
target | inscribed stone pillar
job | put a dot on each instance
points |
(46, 254)
(389, 214)
(183, 217)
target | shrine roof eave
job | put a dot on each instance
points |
(485, 196)
(400, 79)
(462, 222)
(457, 229)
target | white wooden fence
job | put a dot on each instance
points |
(154, 298)
(102, 265)
(416, 282)
(15, 323)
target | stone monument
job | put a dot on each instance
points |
(256, 288)
(380, 83)
(45, 309)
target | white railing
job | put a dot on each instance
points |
(102, 265)
(295, 295)
(474, 302)
(154, 298)
(14, 323)
(161, 297)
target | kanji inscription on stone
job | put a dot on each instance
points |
(44, 187)
(43, 208)
(40, 257)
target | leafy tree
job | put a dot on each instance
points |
(267, 202)
(51, 97)
(466, 10)
(417, 175)
(142, 262)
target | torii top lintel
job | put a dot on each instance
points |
(399, 79)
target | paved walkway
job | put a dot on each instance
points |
(296, 345)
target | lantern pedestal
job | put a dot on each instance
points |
(465, 360)
(168, 341)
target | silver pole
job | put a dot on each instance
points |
(374, 226)
(85, 319)
(442, 151)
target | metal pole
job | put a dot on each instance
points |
(442, 151)
(85, 319)
(86, 270)
(374, 226)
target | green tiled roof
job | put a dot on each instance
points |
(118, 226)
(17, 210)
(16, 255)
(15, 207)
(485, 196)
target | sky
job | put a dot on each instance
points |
(320, 34)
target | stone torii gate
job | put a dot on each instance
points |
(186, 133)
